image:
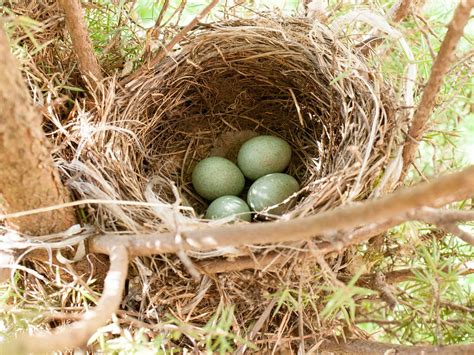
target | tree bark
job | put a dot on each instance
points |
(28, 178)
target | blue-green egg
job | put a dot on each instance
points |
(227, 206)
(215, 177)
(263, 155)
(270, 190)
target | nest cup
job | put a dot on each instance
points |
(226, 83)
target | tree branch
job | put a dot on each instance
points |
(446, 220)
(362, 347)
(81, 42)
(386, 212)
(77, 334)
(440, 68)
(402, 8)
(399, 10)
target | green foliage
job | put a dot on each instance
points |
(343, 300)
(117, 39)
(435, 306)
(216, 336)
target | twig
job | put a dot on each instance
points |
(458, 307)
(393, 277)
(379, 284)
(458, 232)
(160, 17)
(399, 10)
(402, 8)
(274, 259)
(88, 64)
(446, 220)
(397, 276)
(77, 334)
(440, 68)
(169, 47)
(387, 211)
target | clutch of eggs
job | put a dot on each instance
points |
(263, 159)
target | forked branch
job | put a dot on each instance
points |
(77, 334)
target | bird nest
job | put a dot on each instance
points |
(226, 83)
(132, 152)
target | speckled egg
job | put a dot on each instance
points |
(226, 206)
(270, 190)
(263, 155)
(215, 177)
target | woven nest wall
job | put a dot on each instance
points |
(226, 83)
(131, 148)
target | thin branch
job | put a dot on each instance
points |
(380, 284)
(77, 334)
(458, 232)
(402, 8)
(402, 275)
(387, 212)
(372, 347)
(440, 68)
(446, 220)
(274, 259)
(160, 17)
(81, 42)
(393, 277)
(169, 47)
(399, 10)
